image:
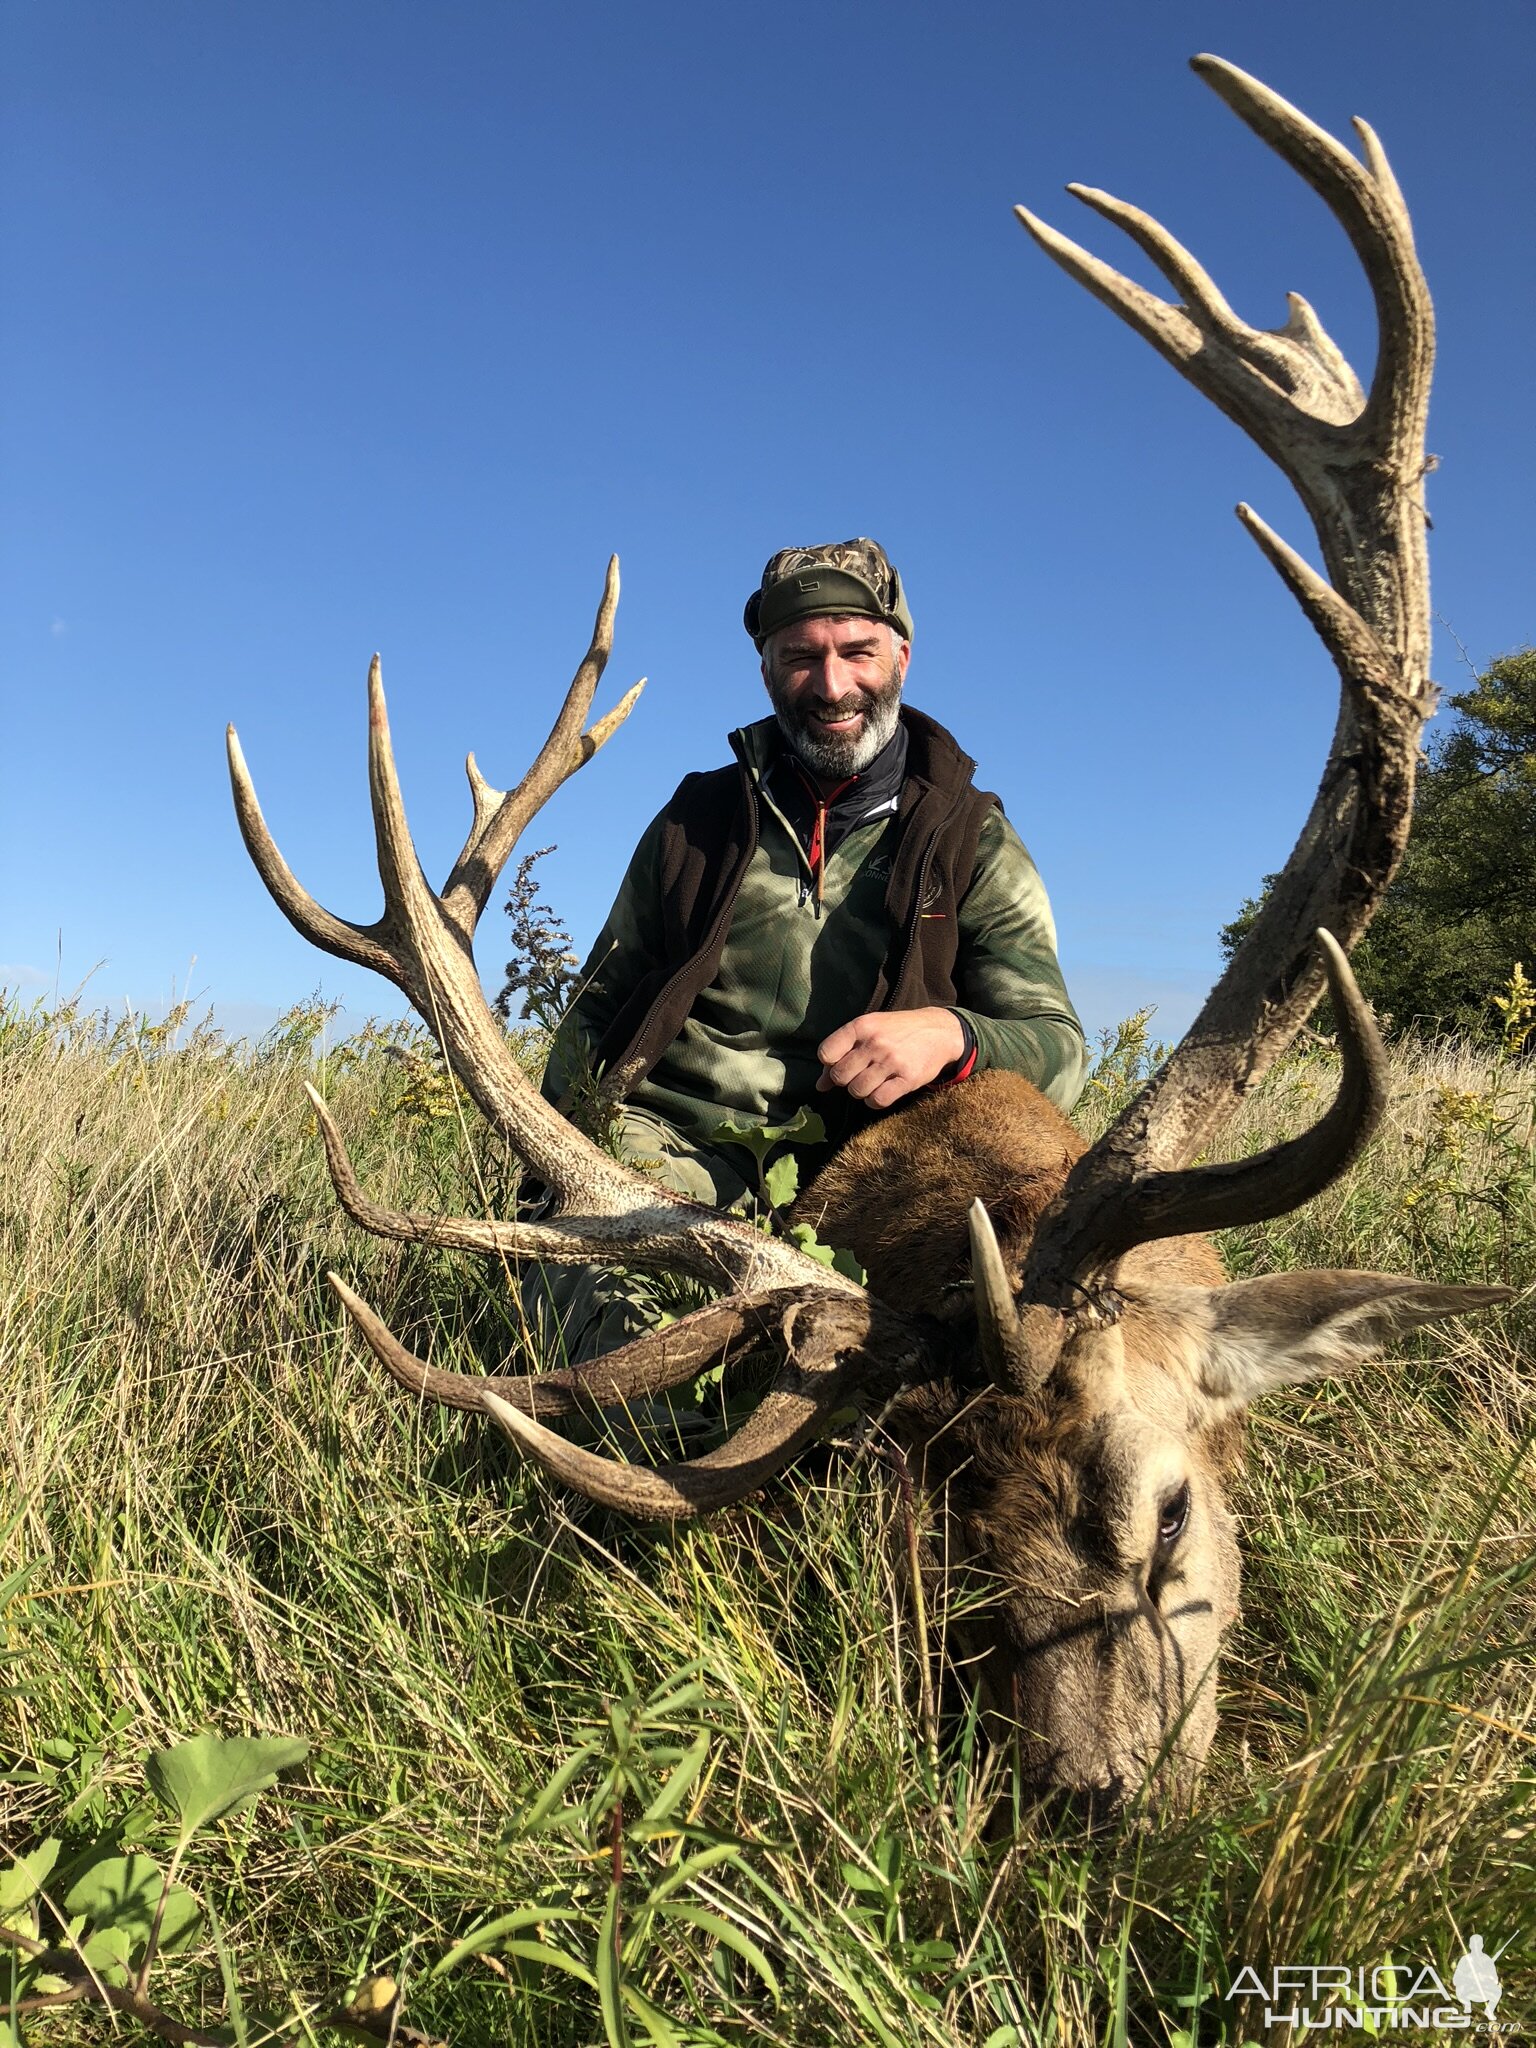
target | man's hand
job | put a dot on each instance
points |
(881, 1057)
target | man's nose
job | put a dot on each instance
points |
(836, 679)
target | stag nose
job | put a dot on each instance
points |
(1088, 1807)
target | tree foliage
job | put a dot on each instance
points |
(1462, 909)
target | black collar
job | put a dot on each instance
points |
(873, 791)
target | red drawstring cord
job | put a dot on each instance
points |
(816, 852)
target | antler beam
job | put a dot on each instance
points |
(830, 1338)
(423, 944)
(1358, 464)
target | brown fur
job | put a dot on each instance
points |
(898, 1194)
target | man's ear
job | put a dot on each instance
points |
(1290, 1327)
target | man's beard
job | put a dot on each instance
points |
(836, 756)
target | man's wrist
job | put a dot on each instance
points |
(962, 1068)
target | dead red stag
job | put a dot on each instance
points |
(1068, 1373)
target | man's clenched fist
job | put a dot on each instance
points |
(881, 1057)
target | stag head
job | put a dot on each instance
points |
(1089, 1527)
(1075, 1422)
(1077, 1466)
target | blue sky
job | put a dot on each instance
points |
(348, 326)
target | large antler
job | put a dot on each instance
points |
(606, 1213)
(1357, 463)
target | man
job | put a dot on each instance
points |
(836, 921)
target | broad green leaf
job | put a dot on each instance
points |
(505, 1923)
(729, 1937)
(752, 1137)
(180, 1920)
(118, 1894)
(843, 1262)
(23, 1881)
(208, 1777)
(107, 1951)
(928, 1955)
(680, 1783)
(782, 1180)
(805, 1127)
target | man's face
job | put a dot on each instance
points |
(835, 685)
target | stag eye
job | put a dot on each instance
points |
(1175, 1513)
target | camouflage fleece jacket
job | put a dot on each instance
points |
(800, 960)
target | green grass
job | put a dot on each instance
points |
(216, 1516)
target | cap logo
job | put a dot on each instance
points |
(807, 583)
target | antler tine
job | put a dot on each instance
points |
(844, 1345)
(649, 1365)
(638, 1237)
(1169, 329)
(361, 944)
(1363, 663)
(1201, 295)
(407, 894)
(648, 1226)
(824, 1371)
(1367, 202)
(1011, 1348)
(502, 817)
(1131, 1208)
(1290, 388)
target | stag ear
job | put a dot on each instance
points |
(1288, 1327)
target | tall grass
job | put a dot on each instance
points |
(680, 1776)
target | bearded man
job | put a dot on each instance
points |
(834, 922)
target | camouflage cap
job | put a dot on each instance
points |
(839, 579)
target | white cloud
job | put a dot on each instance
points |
(23, 977)
(59, 628)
